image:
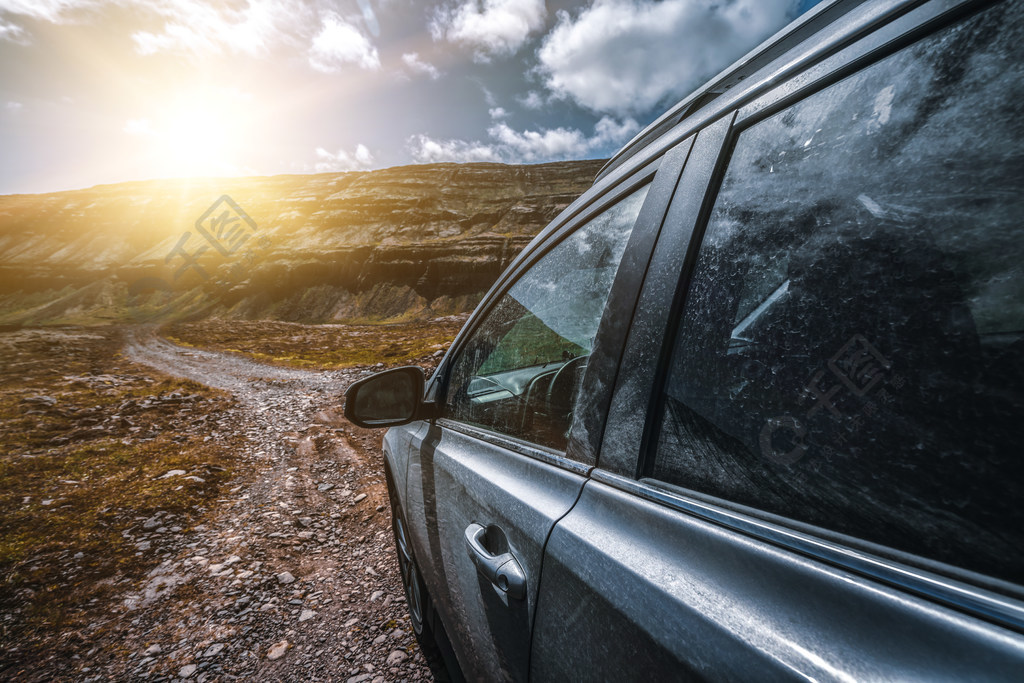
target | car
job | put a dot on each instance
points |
(752, 407)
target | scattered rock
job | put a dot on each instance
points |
(397, 657)
(285, 577)
(278, 650)
(214, 650)
(361, 497)
(172, 473)
(306, 615)
(187, 670)
(153, 650)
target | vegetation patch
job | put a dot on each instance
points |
(92, 448)
(325, 347)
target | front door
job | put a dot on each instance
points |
(490, 478)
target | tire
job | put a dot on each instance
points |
(426, 626)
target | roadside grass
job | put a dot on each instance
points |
(85, 439)
(323, 347)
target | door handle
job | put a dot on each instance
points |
(502, 570)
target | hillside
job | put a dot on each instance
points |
(396, 244)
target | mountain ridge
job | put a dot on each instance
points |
(401, 243)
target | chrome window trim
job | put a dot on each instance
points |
(530, 450)
(991, 606)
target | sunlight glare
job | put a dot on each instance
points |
(202, 134)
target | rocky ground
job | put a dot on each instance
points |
(288, 574)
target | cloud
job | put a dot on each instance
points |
(532, 100)
(497, 113)
(14, 107)
(490, 27)
(340, 43)
(627, 56)
(254, 28)
(12, 32)
(427, 150)
(528, 146)
(198, 27)
(413, 62)
(342, 160)
(47, 10)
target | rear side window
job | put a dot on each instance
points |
(520, 371)
(851, 353)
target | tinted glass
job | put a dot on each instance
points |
(520, 372)
(390, 396)
(850, 354)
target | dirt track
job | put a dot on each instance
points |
(292, 576)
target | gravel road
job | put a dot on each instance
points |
(292, 576)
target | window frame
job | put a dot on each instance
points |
(627, 451)
(661, 174)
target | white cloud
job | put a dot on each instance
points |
(12, 32)
(427, 150)
(528, 146)
(413, 62)
(531, 145)
(342, 160)
(532, 100)
(339, 43)
(14, 107)
(490, 27)
(627, 56)
(48, 10)
(203, 27)
(497, 113)
(199, 27)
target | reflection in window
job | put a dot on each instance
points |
(520, 371)
(851, 352)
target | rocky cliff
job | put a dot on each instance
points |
(398, 243)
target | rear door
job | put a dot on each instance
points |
(811, 463)
(488, 480)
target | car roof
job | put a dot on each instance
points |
(805, 26)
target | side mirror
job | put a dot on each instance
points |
(388, 399)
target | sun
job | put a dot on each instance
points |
(198, 140)
(199, 133)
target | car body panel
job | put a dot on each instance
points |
(453, 480)
(696, 600)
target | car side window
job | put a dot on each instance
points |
(851, 350)
(520, 371)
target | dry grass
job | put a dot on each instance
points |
(320, 346)
(84, 440)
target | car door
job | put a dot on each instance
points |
(811, 464)
(487, 480)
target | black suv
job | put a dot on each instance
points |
(753, 406)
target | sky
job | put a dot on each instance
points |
(102, 91)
